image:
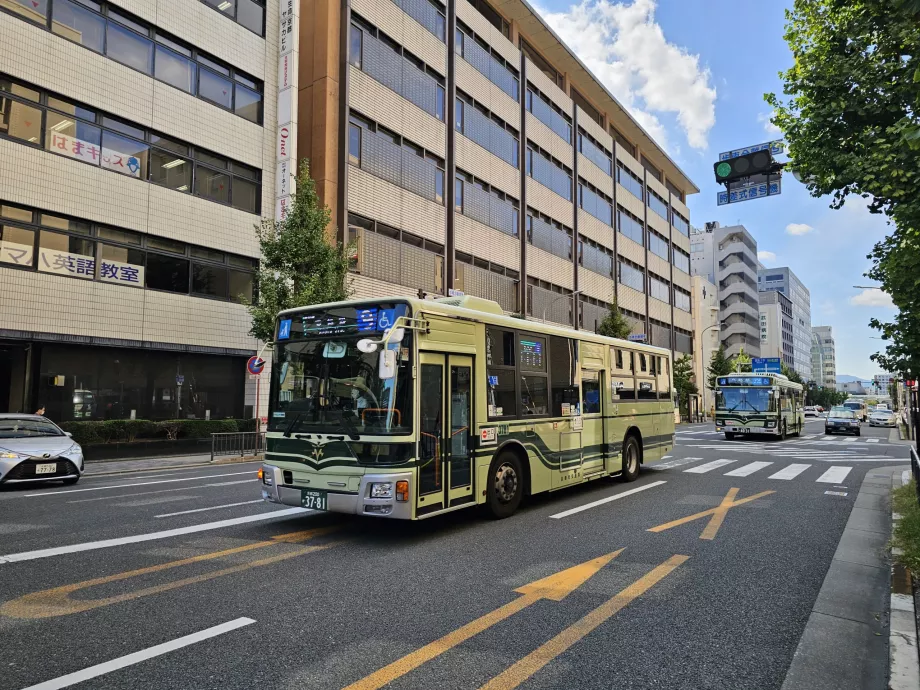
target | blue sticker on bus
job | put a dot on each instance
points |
(385, 319)
(493, 380)
(284, 329)
(367, 320)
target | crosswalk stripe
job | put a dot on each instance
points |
(834, 475)
(709, 466)
(871, 440)
(790, 472)
(748, 469)
(852, 439)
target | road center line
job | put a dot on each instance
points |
(602, 501)
(122, 486)
(201, 510)
(150, 536)
(143, 655)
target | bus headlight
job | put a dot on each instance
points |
(382, 490)
(770, 425)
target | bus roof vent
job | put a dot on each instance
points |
(475, 303)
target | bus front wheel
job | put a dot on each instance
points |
(729, 436)
(631, 455)
(506, 485)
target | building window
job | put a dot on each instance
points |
(138, 45)
(247, 13)
(549, 172)
(652, 170)
(594, 152)
(622, 141)
(549, 114)
(551, 72)
(657, 204)
(680, 223)
(356, 46)
(583, 103)
(630, 181)
(354, 144)
(595, 203)
(488, 130)
(658, 245)
(631, 276)
(681, 260)
(630, 226)
(487, 62)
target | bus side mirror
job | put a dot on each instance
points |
(387, 365)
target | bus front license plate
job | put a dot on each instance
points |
(313, 499)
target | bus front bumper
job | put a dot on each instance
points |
(276, 491)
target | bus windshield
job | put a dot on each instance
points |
(744, 400)
(322, 382)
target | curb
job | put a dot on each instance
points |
(904, 663)
(235, 461)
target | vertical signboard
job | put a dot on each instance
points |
(286, 135)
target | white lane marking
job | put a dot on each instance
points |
(748, 469)
(851, 439)
(143, 655)
(790, 472)
(665, 457)
(709, 466)
(835, 475)
(872, 440)
(602, 501)
(148, 476)
(150, 536)
(671, 464)
(161, 491)
(122, 486)
(201, 510)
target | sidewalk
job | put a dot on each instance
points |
(105, 467)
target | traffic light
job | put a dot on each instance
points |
(757, 163)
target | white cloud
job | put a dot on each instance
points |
(872, 298)
(766, 256)
(626, 49)
(768, 126)
(798, 229)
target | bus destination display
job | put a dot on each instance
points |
(745, 381)
(531, 355)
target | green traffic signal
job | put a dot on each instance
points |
(723, 169)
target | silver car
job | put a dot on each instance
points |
(35, 449)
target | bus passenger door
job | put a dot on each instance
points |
(594, 443)
(445, 409)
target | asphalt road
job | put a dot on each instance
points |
(185, 579)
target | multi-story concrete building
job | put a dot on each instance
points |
(727, 257)
(776, 327)
(824, 357)
(463, 147)
(785, 281)
(137, 152)
(705, 333)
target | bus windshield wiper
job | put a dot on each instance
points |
(290, 427)
(349, 427)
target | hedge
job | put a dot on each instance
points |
(130, 430)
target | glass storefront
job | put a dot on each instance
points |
(77, 382)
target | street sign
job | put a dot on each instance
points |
(774, 147)
(180, 379)
(637, 337)
(766, 365)
(748, 191)
(255, 365)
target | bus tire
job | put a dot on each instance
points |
(506, 485)
(729, 436)
(632, 455)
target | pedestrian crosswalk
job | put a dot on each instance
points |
(835, 474)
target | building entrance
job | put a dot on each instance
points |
(14, 367)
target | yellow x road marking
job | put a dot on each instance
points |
(718, 514)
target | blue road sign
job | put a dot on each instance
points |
(767, 365)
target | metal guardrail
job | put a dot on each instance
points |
(237, 443)
(915, 470)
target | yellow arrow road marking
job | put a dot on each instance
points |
(718, 514)
(555, 587)
(514, 675)
(57, 601)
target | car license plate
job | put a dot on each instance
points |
(313, 499)
(50, 468)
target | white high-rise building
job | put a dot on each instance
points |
(783, 280)
(776, 327)
(824, 357)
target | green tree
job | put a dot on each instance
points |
(742, 361)
(684, 385)
(790, 374)
(300, 266)
(850, 121)
(719, 365)
(614, 325)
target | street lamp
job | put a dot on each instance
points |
(709, 328)
(867, 287)
(546, 306)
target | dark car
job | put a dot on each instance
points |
(841, 420)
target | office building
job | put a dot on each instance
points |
(137, 152)
(705, 333)
(881, 383)
(776, 327)
(783, 280)
(464, 148)
(823, 357)
(727, 257)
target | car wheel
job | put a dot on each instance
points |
(506, 485)
(827, 431)
(71, 481)
(631, 458)
(857, 432)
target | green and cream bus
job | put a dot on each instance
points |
(759, 404)
(408, 408)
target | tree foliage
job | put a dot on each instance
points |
(790, 374)
(825, 397)
(851, 125)
(684, 385)
(719, 365)
(614, 325)
(741, 362)
(300, 266)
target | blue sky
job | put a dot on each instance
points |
(694, 72)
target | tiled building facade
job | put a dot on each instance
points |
(135, 159)
(467, 149)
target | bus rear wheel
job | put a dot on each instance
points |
(631, 456)
(506, 485)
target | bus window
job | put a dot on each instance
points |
(590, 393)
(499, 347)
(652, 360)
(647, 390)
(502, 399)
(632, 365)
(562, 376)
(642, 366)
(532, 353)
(619, 359)
(664, 379)
(623, 387)
(533, 396)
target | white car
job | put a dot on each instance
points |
(811, 411)
(35, 449)
(882, 418)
